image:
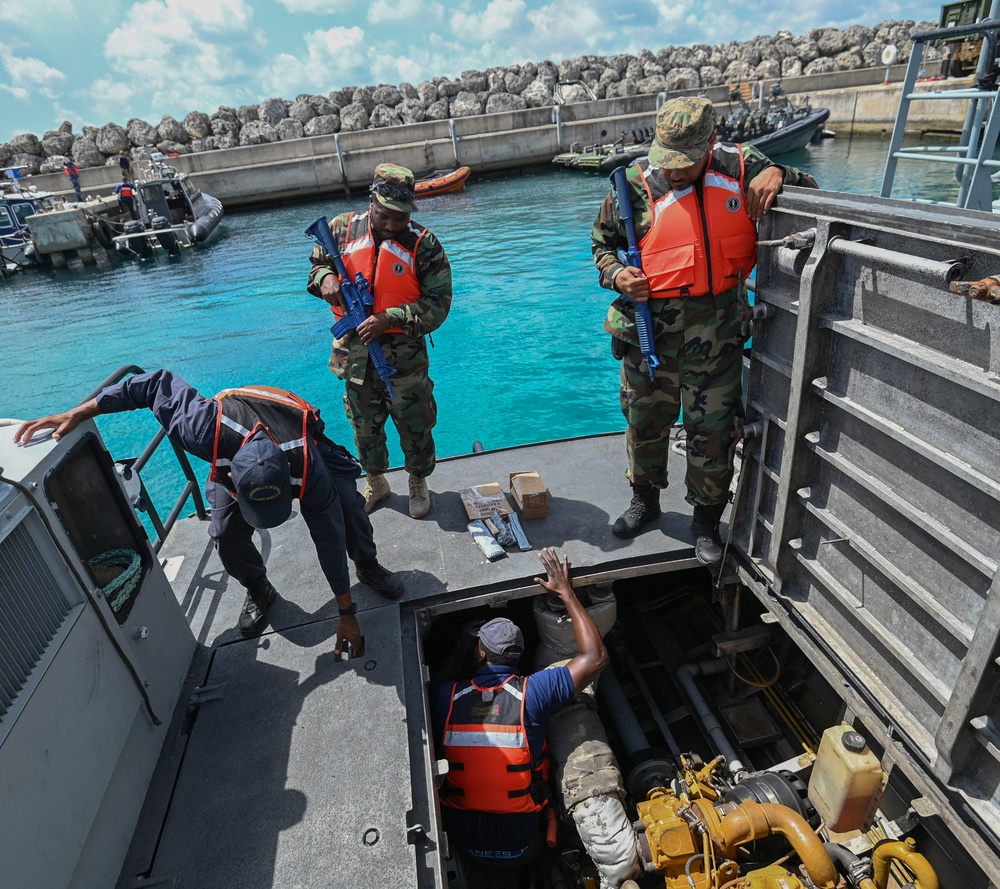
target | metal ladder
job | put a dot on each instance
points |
(973, 156)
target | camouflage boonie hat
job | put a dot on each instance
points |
(393, 188)
(684, 128)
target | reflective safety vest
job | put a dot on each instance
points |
(698, 247)
(389, 268)
(490, 768)
(125, 191)
(286, 418)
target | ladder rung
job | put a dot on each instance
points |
(966, 161)
(953, 94)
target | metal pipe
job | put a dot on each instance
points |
(907, 855)
(557, 120)
(647, 695)
(946, 271)
(685, 675)
(957, 30)
(340, 160)
(454, 139)
(754, 821)
(613, 698)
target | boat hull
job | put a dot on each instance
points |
(793, 136)
(443, 184)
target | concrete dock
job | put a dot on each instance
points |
(305, 168)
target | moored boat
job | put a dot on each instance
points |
(442, 183)
(776, 126)
(173, 211)
(605, 157)
(17, 205)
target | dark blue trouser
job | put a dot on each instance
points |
(332, 508)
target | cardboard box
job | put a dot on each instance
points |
(528, 491)
(482, 501)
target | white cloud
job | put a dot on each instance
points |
(393, 11)
(335, 56)
(29, 77)
(320, 6)
(174, 55)
(41, 14)
(566, 28)
(499, 17)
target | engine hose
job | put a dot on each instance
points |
(857, 870)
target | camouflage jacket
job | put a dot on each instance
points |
(415, 319)
(608, 235)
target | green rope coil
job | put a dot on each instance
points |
(125, 583)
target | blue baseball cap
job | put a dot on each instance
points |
(263, 482)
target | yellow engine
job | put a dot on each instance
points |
(694, 843)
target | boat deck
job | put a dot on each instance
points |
(255, 788)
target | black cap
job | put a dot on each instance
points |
(854, 741)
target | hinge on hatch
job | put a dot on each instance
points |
(206, 693)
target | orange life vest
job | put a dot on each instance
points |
(390, 269)
(285, 417)
(698, 247)
(125, 191)
(490, 768)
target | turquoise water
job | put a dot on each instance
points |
(521, 358)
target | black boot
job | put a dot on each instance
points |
(645, 507)
(705, 528)
(260, 594)
(384, 582)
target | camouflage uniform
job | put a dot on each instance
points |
(699, 346)
(413, 409)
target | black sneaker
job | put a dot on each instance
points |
(385, 583)
(705, 529)
(260, 595)
(644, 508)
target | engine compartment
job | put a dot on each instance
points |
(693, 765)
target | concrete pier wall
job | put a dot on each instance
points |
(511, 141)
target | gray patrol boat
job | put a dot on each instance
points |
(820, 710)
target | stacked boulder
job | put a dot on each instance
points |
(513, 88)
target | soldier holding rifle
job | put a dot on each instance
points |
(408, 273)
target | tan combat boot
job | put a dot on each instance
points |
(376, 489)
(420, 500)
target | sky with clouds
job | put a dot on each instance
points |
(95, 61)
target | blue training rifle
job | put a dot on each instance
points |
(633, 257)
(357, 297)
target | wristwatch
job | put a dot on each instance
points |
(349, 611)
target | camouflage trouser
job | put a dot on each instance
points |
(700, 350)
(413, 409)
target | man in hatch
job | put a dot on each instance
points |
(410, 279)
(491, 728)
(696, 202)
(267, 448)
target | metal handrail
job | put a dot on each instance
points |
(191, 489)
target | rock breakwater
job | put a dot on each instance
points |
(516, 87)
